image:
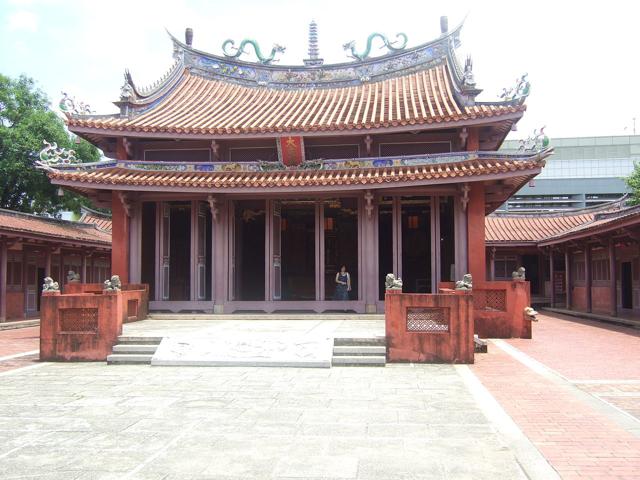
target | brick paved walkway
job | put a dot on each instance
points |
(15, 342)
(583, 349)
(577, 439)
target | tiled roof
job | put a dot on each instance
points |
(199, 180)
(100, 220)
(199, 105)
(12, 223)
(544, 228)
(529, 229)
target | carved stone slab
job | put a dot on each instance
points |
(249, 349)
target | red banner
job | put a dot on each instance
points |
(291, 151)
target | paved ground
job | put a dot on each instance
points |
(573, 391)
(583, 436)
(90, 421)
(18, 348)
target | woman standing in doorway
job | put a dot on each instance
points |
(343, 284)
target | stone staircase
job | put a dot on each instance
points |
(133, 350)
(359, 352)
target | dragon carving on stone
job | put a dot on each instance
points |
(391, 46)
(231, 51)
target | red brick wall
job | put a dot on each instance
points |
(579, 298)
(601, 300)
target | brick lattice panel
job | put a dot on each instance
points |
(79, 320)
(427, 319)
(495, 300)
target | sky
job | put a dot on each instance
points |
(581, 57)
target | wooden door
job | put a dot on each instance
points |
(276, 254)
(201, 251)
(165, 250)
(232, 251)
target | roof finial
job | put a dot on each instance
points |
(314, 52)
(188, 36)
(444, 24)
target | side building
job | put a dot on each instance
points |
(583, 172)
(34, 247)
(586, 259)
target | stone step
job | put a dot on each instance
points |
(265, 316)
(359, 350)
(359, 361)
(129, 358)
(126, 339)
(360, 341)
(134, 348)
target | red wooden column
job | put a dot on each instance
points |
(587, 276)
(119, 239)
(552, 290)
(83, 268)
(3, 281)
(475, 233)
(612, 277)
(47, 262)
(120, 226)
(568, 279)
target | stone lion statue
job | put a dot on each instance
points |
(49, 285)
(519, 274)
(466, 283)
(113, 284)
(392, 283)
(530, 314)
(73, 276)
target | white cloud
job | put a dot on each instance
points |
(23, 20)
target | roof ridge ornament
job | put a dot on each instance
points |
(52, 155)
(519, 92)
(351, 45)
(256, 48)
(70, 106)
(536, 142)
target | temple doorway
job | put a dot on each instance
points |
(340, 222)
(249, 249)
(416, 244)
(180, 251)
(298, 255)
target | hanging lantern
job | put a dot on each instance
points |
(413, 222)
(328, 223)
(283, 224)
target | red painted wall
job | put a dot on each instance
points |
(601, 300)
(579, 298)
(452, 346)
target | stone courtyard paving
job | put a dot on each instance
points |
(568, 399)
(92, 421)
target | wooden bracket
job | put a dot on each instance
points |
(126, 203)
(213, 206)
(368, 206)
(464, 199)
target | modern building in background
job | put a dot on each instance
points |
(583, 172)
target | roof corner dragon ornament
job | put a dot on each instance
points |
(391, 46)
(231, 51)
(536, 142)
(519, 92)
(52, 155)
(70, 106)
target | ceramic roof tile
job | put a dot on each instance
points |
(198, 105)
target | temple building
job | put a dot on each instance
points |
(245, 186)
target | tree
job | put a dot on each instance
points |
(25, 121)
(633, 181)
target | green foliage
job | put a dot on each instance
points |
(633, 181)
(25, 121)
